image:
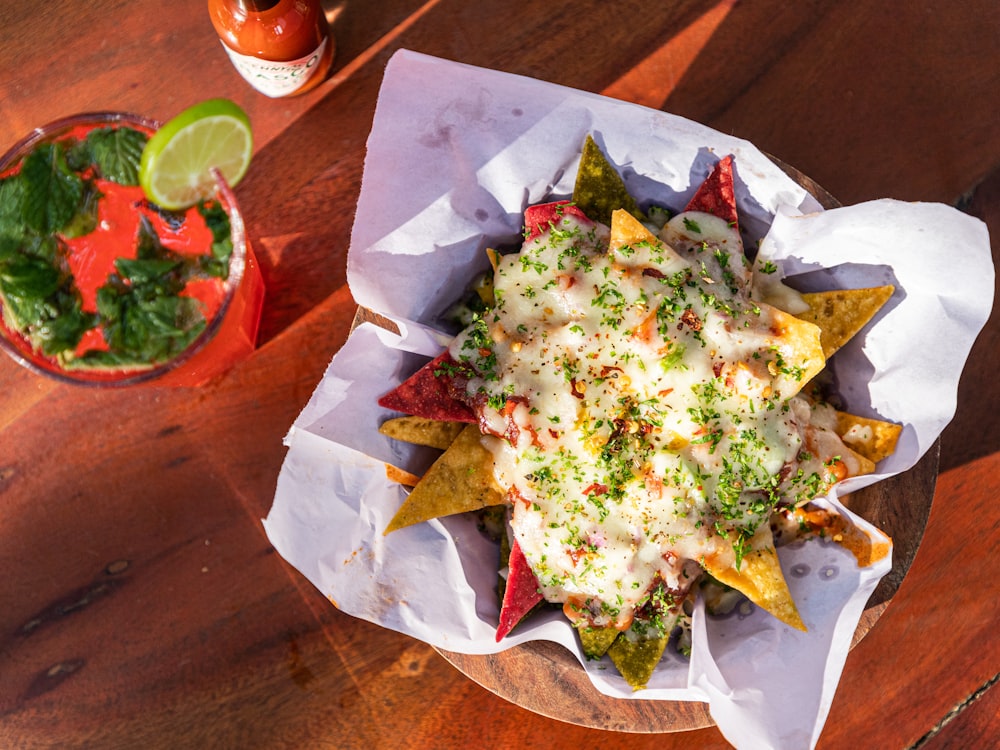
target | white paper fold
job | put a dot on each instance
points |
(455, 155)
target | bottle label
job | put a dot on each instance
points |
(277, 78)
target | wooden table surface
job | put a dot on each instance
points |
(142, 603)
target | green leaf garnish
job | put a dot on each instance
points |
(84, 221)
(222, 243)
(145, 317)
(691, 225)
(52, 191)
(116, 152)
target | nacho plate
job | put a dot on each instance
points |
(485, 144)
(513, 674)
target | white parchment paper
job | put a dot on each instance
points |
(455, 155)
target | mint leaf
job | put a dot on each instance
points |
(145, 317)
(27, 277)
(65, 329)
(217, 220)
(11, 200)
(139, 271)
(116, 153)
(52, 191)
(43, 303)
(144, 324)
(84, 221)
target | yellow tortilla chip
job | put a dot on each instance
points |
(759, 578)
(460, 480)
(831, 524)
(864, 464)
(800, 350)
(636, 658)
(421, 431)
(627, 230)
(871, 438)
(841, 313)
(599, 189)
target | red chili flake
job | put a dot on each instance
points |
(514, 496)
(566, 281)
(596, 489)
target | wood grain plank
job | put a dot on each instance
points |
(941, 608)
(122, 627)
(830, 68)
(969, 436)
(973, 723)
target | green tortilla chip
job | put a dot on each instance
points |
(422, 431)
(596, 641)
(599, 189)
(636, 658)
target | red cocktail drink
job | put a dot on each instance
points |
(100, 286)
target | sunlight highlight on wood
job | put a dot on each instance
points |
(667, 65)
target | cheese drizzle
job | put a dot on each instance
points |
(642, 410)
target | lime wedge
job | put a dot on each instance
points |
(175, 170)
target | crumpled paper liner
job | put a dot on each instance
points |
(455, 155)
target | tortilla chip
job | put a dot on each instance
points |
(717, 194)
(460, 480)
(422, 431)
(841, 313)
(401, 476)
(521, 593)
(829, 523)
(627, 230)
(427, 393)
(636, 658)
(759, 578)
(798, 343)
(543, 216)
(599, 189)
(871, 438)
(865, 464)
(596, 641)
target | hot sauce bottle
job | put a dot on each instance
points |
(281, 47)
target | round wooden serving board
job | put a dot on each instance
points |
(545, 678)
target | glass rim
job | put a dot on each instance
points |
(26, 356)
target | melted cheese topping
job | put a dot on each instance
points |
(641, 397)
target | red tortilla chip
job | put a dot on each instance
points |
(427, 393)
(520, 594)
(717, 194)
(538, 219)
